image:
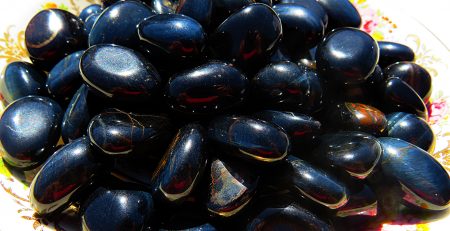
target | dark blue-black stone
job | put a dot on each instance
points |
(391, 52)
(29, 131)
(90, 10)
(424, 182)
(200, 10)
(65, 176)
(76, 117)
(117, 24)
(89, 23)
(412, 129)
(362, 202)
(222, 9)
(312, 5)
(347, 55)
(64, 79)
(107, 3)
(287, 86)
(119, 73)
(53, 34)
(118, 209)
(20, 79)
(340, 14)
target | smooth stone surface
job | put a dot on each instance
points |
(303, 131)
(412, 129)
(89, 23)
(53, 34)
(116, 25)
(20, 79)
(232, 186)
(356, 153)
(209, 88)
(347, 55)
(65, 176)
(90, 10)
(391, 52)
(118, 133)
(118, 209)
(375, 79)
(77, 116)
(182, 166)
(317, 185)
(200, 10)
(107, 3)
(64, 79)
(356, 117)
(248, 37)
(340, 14)
(312, 5)
(222, 9)
(29, 131)
(397, 95)
(362, 202)
(250, 139)
(119, 73)
(414, 75)
(424, 182)
(287, 86)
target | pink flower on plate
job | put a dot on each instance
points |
(438, 110)
(369, 26)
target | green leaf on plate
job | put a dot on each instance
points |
(3, 170)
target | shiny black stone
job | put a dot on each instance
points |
(90, 10)
(302, 130)
(107, 3)
(340, 14)
(250, 139)
(412, 129)
(20, 79)
(118, 26)
(65, 176)
(53, 34)
(29, 131)
(64, 79)
(302, 28)
(374, 81)
(232, 186)
(312, 5)
(414, 75)
(347, 55)
(267, 2)
(248, 37)
(222, 9)
(89, 23)
(209, 88)
(362, 202)
(182, 166)
(424, 182)
(356, 153)
(76, 117)
(397, 95)
(119, 73)
(200, 10)
(287, 86)
(391, 52)
(316, 185)
(118, 209)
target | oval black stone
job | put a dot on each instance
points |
(77, 116)
(90, 10)
(391, 52)
(340, 14)
(362, 202)
(200, 10)
(89, 23)
(312, 5)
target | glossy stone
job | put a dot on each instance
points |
(29, 131)
(181, 168)
(251, 139)
(317, 185)
(248, 37)
(340, 14)
(65, 176)
(64, 79)
(347, 55)
(287, 86)
(412, 129)
(20, 79)
(424, 182)
(107, 3)
(119, 73)
(232, 186)
(53, 34)
(200, 10)
(289, 217)
(356, 153)
(302, 28)
(90, 10)
(414, 75)
(397, 95)
(176, 36)
(209, 88)
(89, 23)
(77, 116)
(118, 133)
(224, 8)
(302, 130)
(375, 79)
(118, 209)
(391, 52)
(362, 202)
(116, 25)
(356, 117)
(311, 5)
